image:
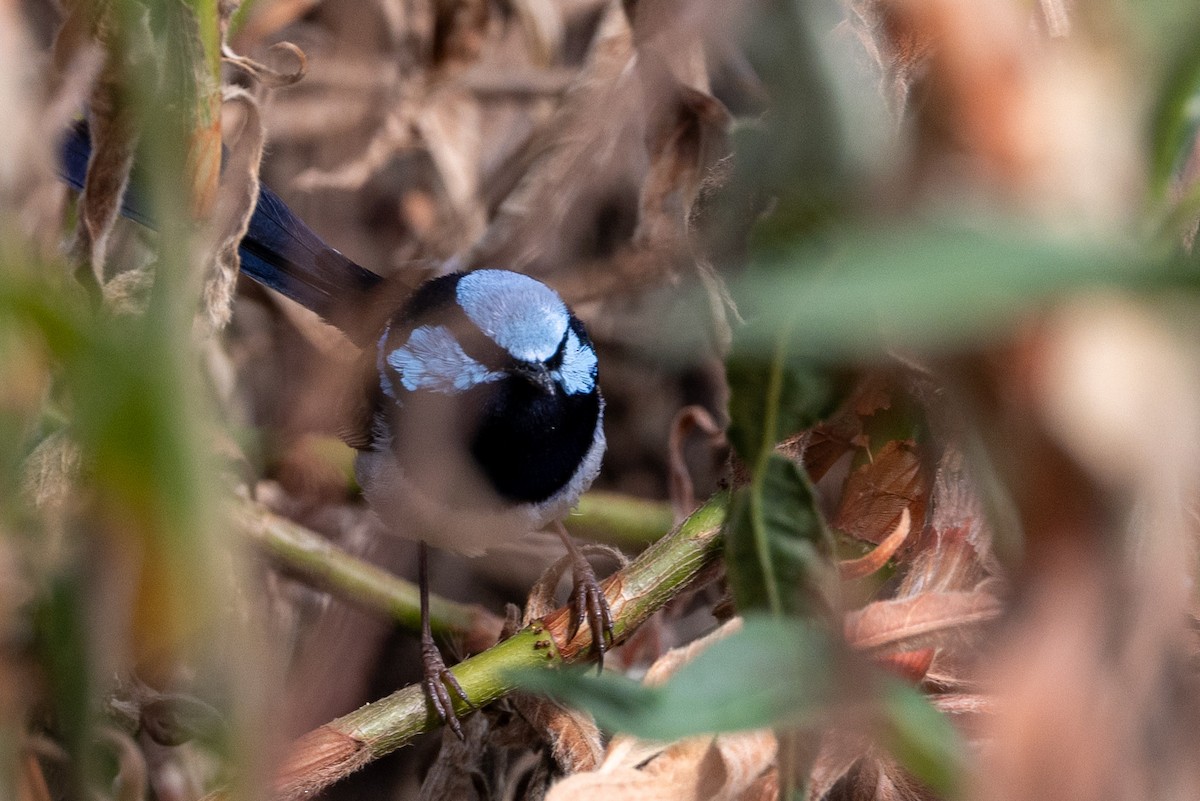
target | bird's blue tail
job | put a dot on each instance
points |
(279, 251)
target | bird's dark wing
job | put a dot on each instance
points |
(279, 251)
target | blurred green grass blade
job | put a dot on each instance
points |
(922, 739)
(933, 287)
(1176, 116)
(776, 543)
(61, 632)
(771, 672)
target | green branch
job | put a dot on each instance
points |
(346, 744)
(315, 559)
(620, 520)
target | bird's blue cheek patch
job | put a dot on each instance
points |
(433, 360)
(577, 374)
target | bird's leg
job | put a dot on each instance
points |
(587, 599)
(438, 680)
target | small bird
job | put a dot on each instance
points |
(485, 423)
(479, 418)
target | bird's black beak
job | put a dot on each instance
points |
(538, 375)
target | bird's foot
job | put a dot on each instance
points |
(588, 603)
(438, 683)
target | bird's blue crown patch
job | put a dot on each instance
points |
(520, 314)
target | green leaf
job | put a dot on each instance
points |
(941, 287)
(777, 546)
(772, 395)
(922, 740)
(774, 672)
(776, 541)
(771, 672)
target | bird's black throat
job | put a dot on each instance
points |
(530, 443)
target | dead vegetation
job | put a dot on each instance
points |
(958, 236)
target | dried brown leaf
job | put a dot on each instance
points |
(114, 141)
(838, 753)
(235, 203)
(764, 788)
(508, 747)
(958, 512)
(1092, 698)
(1057, 17)
(912, 622)
(830, 440)
(541, 600)
(450, 128)
(879, 492)
(575, 740)
(666, 665)
(721, 768)
(964, 703)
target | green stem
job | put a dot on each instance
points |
(320, 562)
(663, 570)
(620, 520)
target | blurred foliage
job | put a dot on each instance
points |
(783, 677)
(854, 257)
(115, 510)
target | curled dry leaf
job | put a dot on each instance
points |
(114, 141)
(880, 554)
(881, 491)
(50, 471)
(235, 203)
(268, 77)
(689, 419)
(830, 440)
(962, 547)
(837, 754)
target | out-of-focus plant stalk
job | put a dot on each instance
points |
(620, 520)
(664, 570)
(310, 556)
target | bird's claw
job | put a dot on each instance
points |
(438, 682)
(589, 604)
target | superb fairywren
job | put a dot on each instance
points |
(487, 420)
(481, 418)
